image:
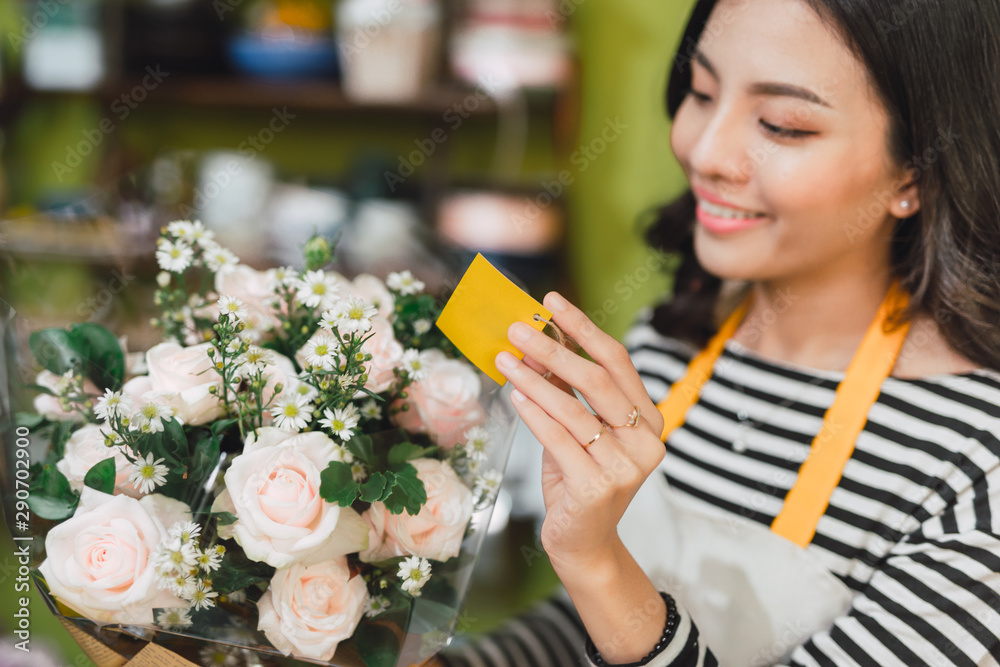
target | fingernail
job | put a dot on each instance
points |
(518, 396)
(555, 301)
(506, 361)
(520, 332)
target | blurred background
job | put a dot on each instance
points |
(414, 132)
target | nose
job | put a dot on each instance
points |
(720, 152)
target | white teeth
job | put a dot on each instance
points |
(726, 212)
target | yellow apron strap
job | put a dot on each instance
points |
(807, 501)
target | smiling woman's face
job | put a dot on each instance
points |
(785, 144)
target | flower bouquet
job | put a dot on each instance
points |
(304, 467)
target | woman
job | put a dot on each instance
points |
(831, 476)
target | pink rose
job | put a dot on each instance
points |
(254, 289)
(387, 355)
(309, 609)
(183, 378)
(48, 406)
(85, 449)
(445, 403)
(273, 489)
(372, 289)
(99, 561)
(436, 532)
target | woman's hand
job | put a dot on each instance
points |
(587, 487)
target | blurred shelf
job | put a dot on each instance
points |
(100, 241)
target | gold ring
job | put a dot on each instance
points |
(603, 430)
(633, 420)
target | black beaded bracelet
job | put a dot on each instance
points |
(669, 628)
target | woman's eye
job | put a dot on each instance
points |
(700, 97)
(784, 132)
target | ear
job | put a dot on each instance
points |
(906, 203)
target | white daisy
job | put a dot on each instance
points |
(353, 315)
(254, 360)
(175, 257)
(341, 421)
(414, 572)
(487, 485)
(477, 443)
(201, 597)
(148, 418)
(291, 413)
(175, 556)
(376, 605)
(404, 283)
(284, 276)
(111, 405)
(147, 474)
(305, 391)
(209, 560)
(219, 259)
(358, 472)
(236, 346)
(182, 585)
(370, 409)
(317, 289)
(181, 229)
(414, 363)
(202, 236)
(186, 531)
(421, 326)
(232, 306)
(173, 618)
(322, 352)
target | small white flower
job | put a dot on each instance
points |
(209, 560)
(358, 472)
(284, 276)
(182, 585)
(201, 597)
(341, 421)
(237, 597)
(173, 618)
(305, 391)
(232, 306)
(350, 315)
(148, 418)
(254, 360)
(421, 326)
(181, 229)
(219, 259)
(147, 474)
(202, 236)
(317, 289)
(220, 655)
(414, 363)
(487, 485)
(404, 283)
(163, 278)
(175, 556)
(322, 352)
(376, 605)
(236, 346)
(370, 409)
(111, 405)
(291, 413)
(414, 572)
(187, 531)
(175, 257)
(477, 443)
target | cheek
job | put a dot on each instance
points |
(684, 133)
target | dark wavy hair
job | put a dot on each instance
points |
(936, 68)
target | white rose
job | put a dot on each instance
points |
(183, 378)
(99, 561)
(436, 532)
(273, 489)
(85, 449)
(445, 404)
(309, 609)
(387, 355)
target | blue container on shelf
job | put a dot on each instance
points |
(257, 55)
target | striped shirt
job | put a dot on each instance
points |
(912, 529)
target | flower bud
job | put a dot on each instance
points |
(318, 253)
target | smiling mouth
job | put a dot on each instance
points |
(726, 212)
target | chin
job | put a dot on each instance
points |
(729, 258)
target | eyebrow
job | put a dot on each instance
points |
(768, 88)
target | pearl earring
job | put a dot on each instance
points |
(905, 205)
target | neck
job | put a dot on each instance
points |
(812, 321)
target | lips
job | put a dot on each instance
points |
(721, 217)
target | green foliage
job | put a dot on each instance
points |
(237, 572)
(377, 645)
(101, 476)
(400, 488)
(88, 349)
(50, 496)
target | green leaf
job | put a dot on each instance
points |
(56, 350)
(222, 425)
(428, 615)
(103, 356)
(361, 446)
(172, 446)
(377, 645)
(28, 420)
(101, 476)
(225, 518)
(372, 489)
(408, 493)
(407, 451)
(50, 496)
(205, 458)
(337, 484)
(61, 432)
(237, 571)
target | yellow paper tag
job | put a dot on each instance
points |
(480, 311)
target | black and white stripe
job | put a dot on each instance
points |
(913, 527)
